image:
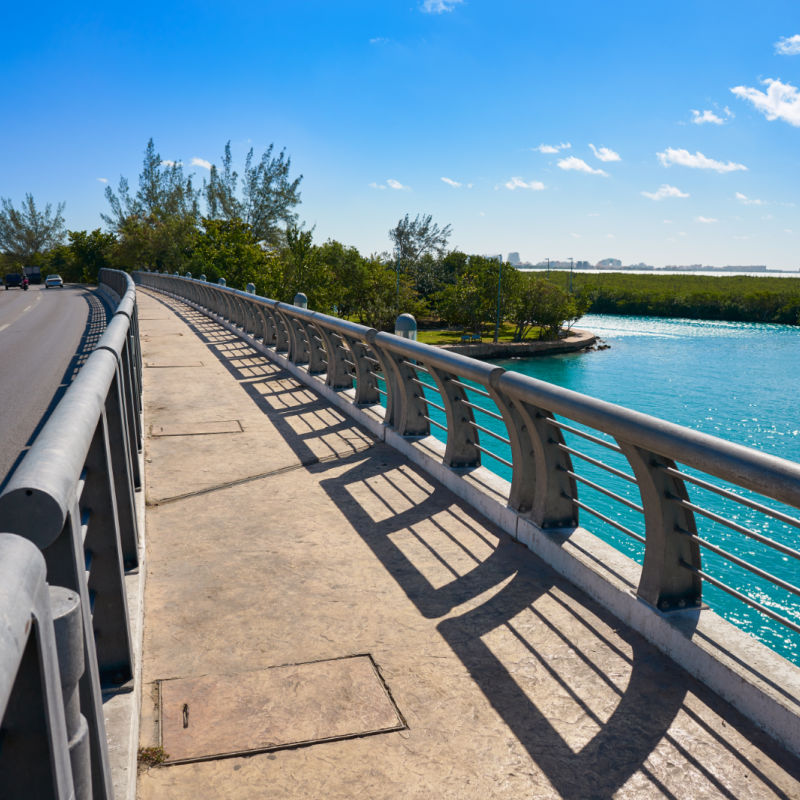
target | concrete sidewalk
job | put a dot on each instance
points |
(312, 596)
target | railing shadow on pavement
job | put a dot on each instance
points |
(647, 697)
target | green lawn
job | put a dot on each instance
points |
(449, 336)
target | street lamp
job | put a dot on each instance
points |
(499, 280)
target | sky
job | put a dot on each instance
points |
(664, 133)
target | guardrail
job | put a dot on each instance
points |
(532, 430)
(73, 497)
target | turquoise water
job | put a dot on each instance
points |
(738, 381)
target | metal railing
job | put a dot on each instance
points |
(566, 454)
(73, 497)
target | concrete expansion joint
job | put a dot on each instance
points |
(307, 462)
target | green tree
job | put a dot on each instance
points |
(228, 249)
(156, 225)
(268, 194)
(472, 300)
(378, 306)
(89, 253)
(348, 275)
(537, 302)
(27, 232)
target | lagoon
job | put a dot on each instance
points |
(738, 381)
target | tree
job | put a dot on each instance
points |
(157, 225)
(472, 299)
(228, 249)
(90, 252)
(268, 195)
(164, 192)
(28, 231)
(414, 238)
(538, 302)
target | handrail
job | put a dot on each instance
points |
(352, 358)
(73, 496)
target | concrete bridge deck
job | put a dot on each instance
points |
(433, 656)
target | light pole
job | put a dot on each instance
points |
(499, 279)
(548, 266)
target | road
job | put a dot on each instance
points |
(45, 336)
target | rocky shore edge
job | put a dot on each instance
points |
(574, 340)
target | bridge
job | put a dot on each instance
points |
(338, 603)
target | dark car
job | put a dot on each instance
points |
(15, 279)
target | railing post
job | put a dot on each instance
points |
(393, 401)
(317, 355)
(366, 383)
(106, 576)
(665, 583)
(337, 373)
(409, 416)
(122, 472)
(34, 753)
(460, 450)
(66, 609)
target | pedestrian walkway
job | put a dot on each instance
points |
(322, 620)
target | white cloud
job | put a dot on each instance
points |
(748, 201)
(667, 222)
(605, 153)
(168, 163)
(788, 45)
(551, 149)
(103, 180)
(665, 190)
(379, 40)
(610, 236)
(575, 235)
(579, 165)
(393, 184)
(451, 182)
(706, 220)
(374, 185)
(696, 160)
(201, 162)
(439, 6)
(780, 101)
(788, 230)
(518, 183)
(707, 115)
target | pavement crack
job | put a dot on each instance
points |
(307, 462)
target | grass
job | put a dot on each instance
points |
(450, 336)
(152, 756)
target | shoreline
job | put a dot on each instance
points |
(575, 340)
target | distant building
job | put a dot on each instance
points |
(513, 259)
(608, 263)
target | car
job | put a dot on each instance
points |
(15, 279)
(53, 280)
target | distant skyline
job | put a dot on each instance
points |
(664, 135)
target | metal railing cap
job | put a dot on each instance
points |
(40, 493)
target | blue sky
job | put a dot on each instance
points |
(682, 119)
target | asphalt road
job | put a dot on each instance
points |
(45, 336)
